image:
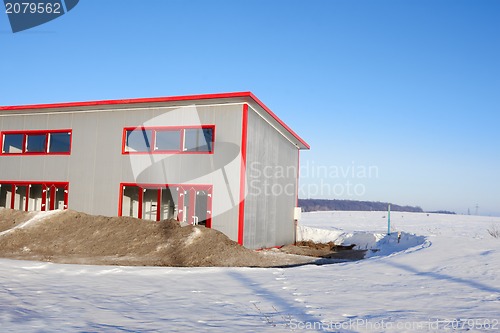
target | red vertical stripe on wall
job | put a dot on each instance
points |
(158, 205)
(141, 200)
(120, 200)
(209, 208)
(244, 131)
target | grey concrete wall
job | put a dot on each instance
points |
(271, 169)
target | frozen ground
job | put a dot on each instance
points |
(443, 275)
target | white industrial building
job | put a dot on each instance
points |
(225, 161)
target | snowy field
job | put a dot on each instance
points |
(443, 275)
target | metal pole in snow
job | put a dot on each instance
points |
(389, 220)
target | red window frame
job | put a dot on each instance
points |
(46, 186)
(154, 129)
(25, 134)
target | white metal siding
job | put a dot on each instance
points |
(96, 166)
(269, 216)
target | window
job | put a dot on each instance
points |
(157, 140)
(198, 139)
(36, 142)
(138, 140)
(168, 140)
(34, 196)
(13, 143)
(59, 142)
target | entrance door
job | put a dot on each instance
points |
(198, 203)
(20, 197)
(54, 196)
(35, 197)
(150, 204)
(169, 203)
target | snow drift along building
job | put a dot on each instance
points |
(224, 161)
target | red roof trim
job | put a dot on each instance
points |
(272, 114)
(157, 100)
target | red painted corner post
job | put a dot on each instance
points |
(241, 216)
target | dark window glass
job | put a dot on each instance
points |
(198, 139)
(168, 140)
(35, 143)
(13, 143)
(138, 140)
(59, 142)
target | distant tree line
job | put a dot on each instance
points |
(442, 212)
(309, 205)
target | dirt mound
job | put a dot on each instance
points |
(74, 237)
(9, 218)
(325, 250)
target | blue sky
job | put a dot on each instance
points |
(409, 89)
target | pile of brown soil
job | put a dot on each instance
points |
(325, 250)
(74, 237)
(10, 218)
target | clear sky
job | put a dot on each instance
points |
(404, 93)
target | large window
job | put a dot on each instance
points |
(185, 203)
(34, 196)
(156, 140)
(36, 142)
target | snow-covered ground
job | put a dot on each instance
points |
(443, 275)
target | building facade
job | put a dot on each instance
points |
(223, 160)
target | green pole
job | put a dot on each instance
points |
(389, 220)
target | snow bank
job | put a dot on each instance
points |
(377, 243)
(318, 235)
(451, 286)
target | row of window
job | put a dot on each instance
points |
(168, 140)
(138, 140)
(36, 142)
(34, 196)
(187, 203)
